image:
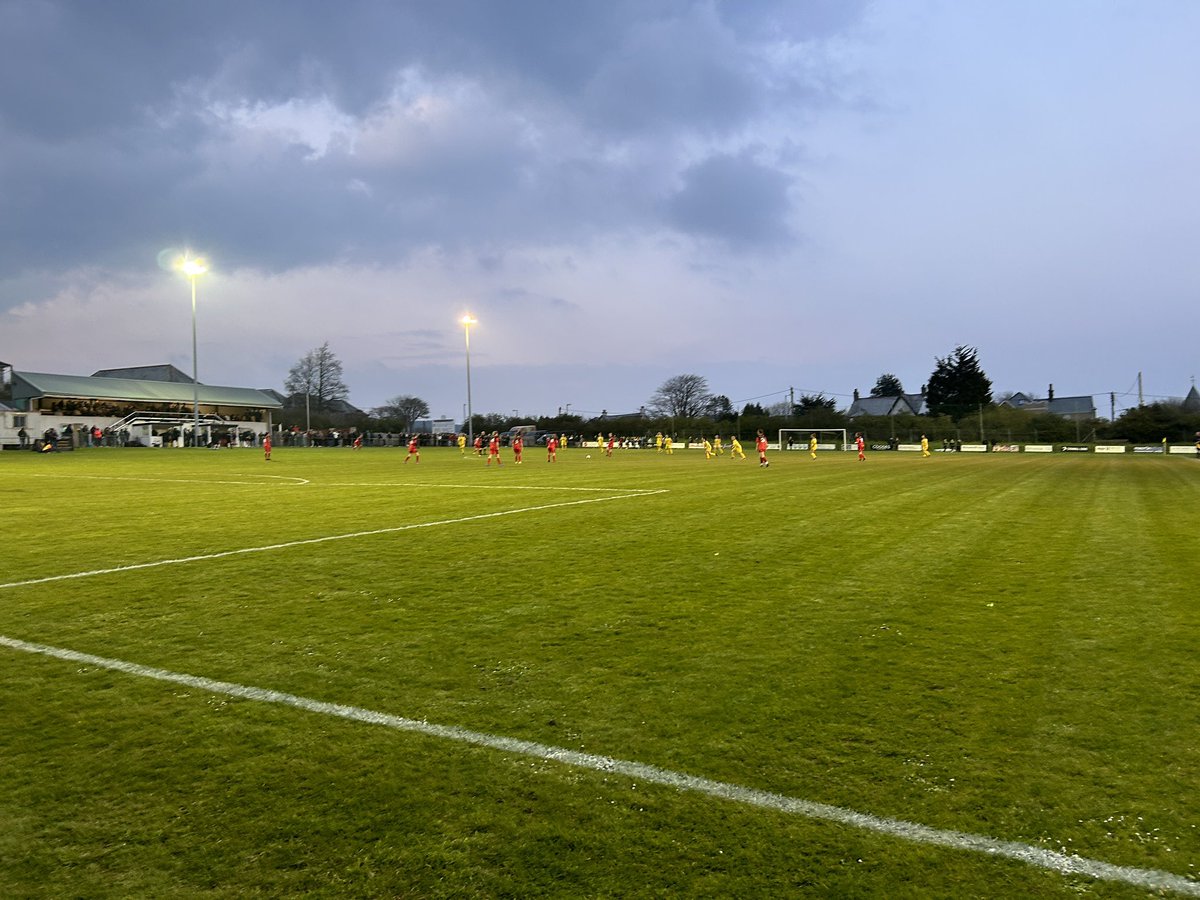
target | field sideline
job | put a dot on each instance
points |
(997, 650)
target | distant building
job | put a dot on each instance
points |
(1075, 409)
(1191, 403)
(902, 405)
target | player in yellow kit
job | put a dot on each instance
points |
(668, 444)
(708, 450)
(718, 446)
(462, 444)
(812, 445)
(658, 443)
(735, 449)
(924, 447)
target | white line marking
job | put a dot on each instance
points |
(321, 540)
(1149, 879)
(489, 487)
(291, 479)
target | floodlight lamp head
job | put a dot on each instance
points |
(193, 266)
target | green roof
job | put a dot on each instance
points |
(32, 385)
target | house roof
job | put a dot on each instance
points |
(1191, 403)
(1058, 406)
(32, 385)
(1064, 406)
(879, 406)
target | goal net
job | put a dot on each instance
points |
(827, 438)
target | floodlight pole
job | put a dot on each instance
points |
(195, 372)
(193, 268)
(467, 321)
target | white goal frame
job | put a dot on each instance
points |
(839, 434)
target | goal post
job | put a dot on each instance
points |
(827, 438)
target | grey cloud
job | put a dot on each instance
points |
(733, 199)
(110, 147)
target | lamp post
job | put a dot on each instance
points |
(193, 267)
(467, 321)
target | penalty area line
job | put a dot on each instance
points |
(132, 567)
(1065, 864)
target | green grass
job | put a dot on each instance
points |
(1002, 646)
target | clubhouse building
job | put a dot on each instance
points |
(146, 405)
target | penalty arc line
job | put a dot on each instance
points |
(1149, 879)
(321, 540)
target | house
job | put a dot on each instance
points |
(1191, 403)
(1075, 409)
(902, 405)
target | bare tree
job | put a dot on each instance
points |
(684, 397)
(404, 409)
(317, 376)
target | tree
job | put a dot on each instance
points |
(683, 397)
(720, 409)
(958, 385)
(753, 409)
(318, 377)
(403, 409)
(887, 385)
(812, 403)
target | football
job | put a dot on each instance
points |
(589, 456)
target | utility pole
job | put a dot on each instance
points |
(1140, 400)
(1112, 406)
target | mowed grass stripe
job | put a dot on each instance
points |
(1067, 864)
(286, 545)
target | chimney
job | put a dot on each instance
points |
(856, 395)
(1051, 396)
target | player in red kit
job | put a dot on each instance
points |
(861, 444)
(267, 446)
(552, 449)
(494, 449)
(518, 445)
(414, 448)
(761, 444)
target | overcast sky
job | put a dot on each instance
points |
(799, 194)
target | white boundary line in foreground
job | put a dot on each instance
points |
(1148, 879)
(321, 540)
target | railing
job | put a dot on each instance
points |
(140, 417)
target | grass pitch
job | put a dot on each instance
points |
(997, 646)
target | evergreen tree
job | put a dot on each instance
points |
(958, 385)
(887, 385)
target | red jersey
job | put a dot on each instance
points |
(494, 446)
(414, 445)
(762, 443)
(551, 445)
